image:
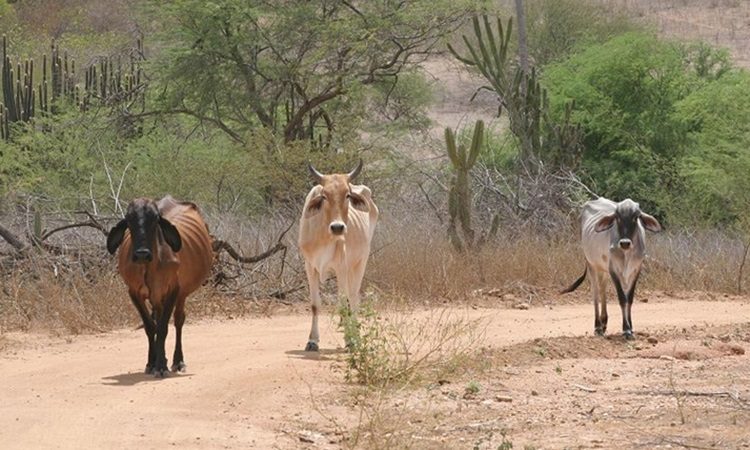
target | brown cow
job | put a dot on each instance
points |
(165, 254)
(336, 228)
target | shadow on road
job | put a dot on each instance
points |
(133, 378)
(322, 355)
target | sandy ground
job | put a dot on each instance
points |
(248, 385)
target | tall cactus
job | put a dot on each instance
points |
(459, 196)
(487, 55)
(4, 123)
(521, 95)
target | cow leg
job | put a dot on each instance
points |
(162, 328)
(148, 326)
(630, 296)
(313, 280)
(599, 294)
(178, 361)
(603, 316)
(627, 326)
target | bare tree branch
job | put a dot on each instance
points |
(220, 245)
(91, 224)
(12, 239)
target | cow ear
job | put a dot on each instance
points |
(605, 223)
(171, 235)
(358, 202)
(314, 206)
(650, 222)
(115, 236)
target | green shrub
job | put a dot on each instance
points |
(76, 158)
(625, 92)
(716, 167)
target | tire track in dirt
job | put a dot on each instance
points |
(247, 382)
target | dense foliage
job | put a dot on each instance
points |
(237, 96)
(656, 117)
(296, 68)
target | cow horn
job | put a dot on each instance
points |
(353, 174)
(315, 174)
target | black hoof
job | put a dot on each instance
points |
(628, 335)
(149, 369)
(599, 332)
(181, 367)
(312, 347)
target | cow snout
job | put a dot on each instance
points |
(338, 228)
(625, 244)
(142, 255)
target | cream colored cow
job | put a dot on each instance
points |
(335, 232)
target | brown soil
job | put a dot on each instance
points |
(550, 384)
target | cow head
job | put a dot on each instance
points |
(627, 216)
(332, 198)
(147, 228)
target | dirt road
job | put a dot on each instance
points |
(248, 385)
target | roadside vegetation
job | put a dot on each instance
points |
(224, 103)
(224, 106)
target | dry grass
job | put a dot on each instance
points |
(394, 352)
(390, 348)
(80, 291)
(55, 293)
(411, 262)
(413, 258)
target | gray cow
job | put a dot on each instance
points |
(614, 242)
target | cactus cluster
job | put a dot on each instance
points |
(522, 96)
(459, 196)
(62, 74)
(106, 82)
(18, 92)
(556, 142)
(490, 57)
(111, 82)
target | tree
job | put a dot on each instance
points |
(626, 90)
(292, 67)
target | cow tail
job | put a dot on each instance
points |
(577, 283)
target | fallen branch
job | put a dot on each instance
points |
(733, 395)
(12, 239)
(585, 388)
(90, 224)
(220, 245)
(282, 294)
(667, 440)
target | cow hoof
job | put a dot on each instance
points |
(312, 347)
(149, 369)
(181, 367)
(161, 373)
(599, 332)
(628, 335)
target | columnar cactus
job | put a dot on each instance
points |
(521, 96)
(112, 85)
(459, 196)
